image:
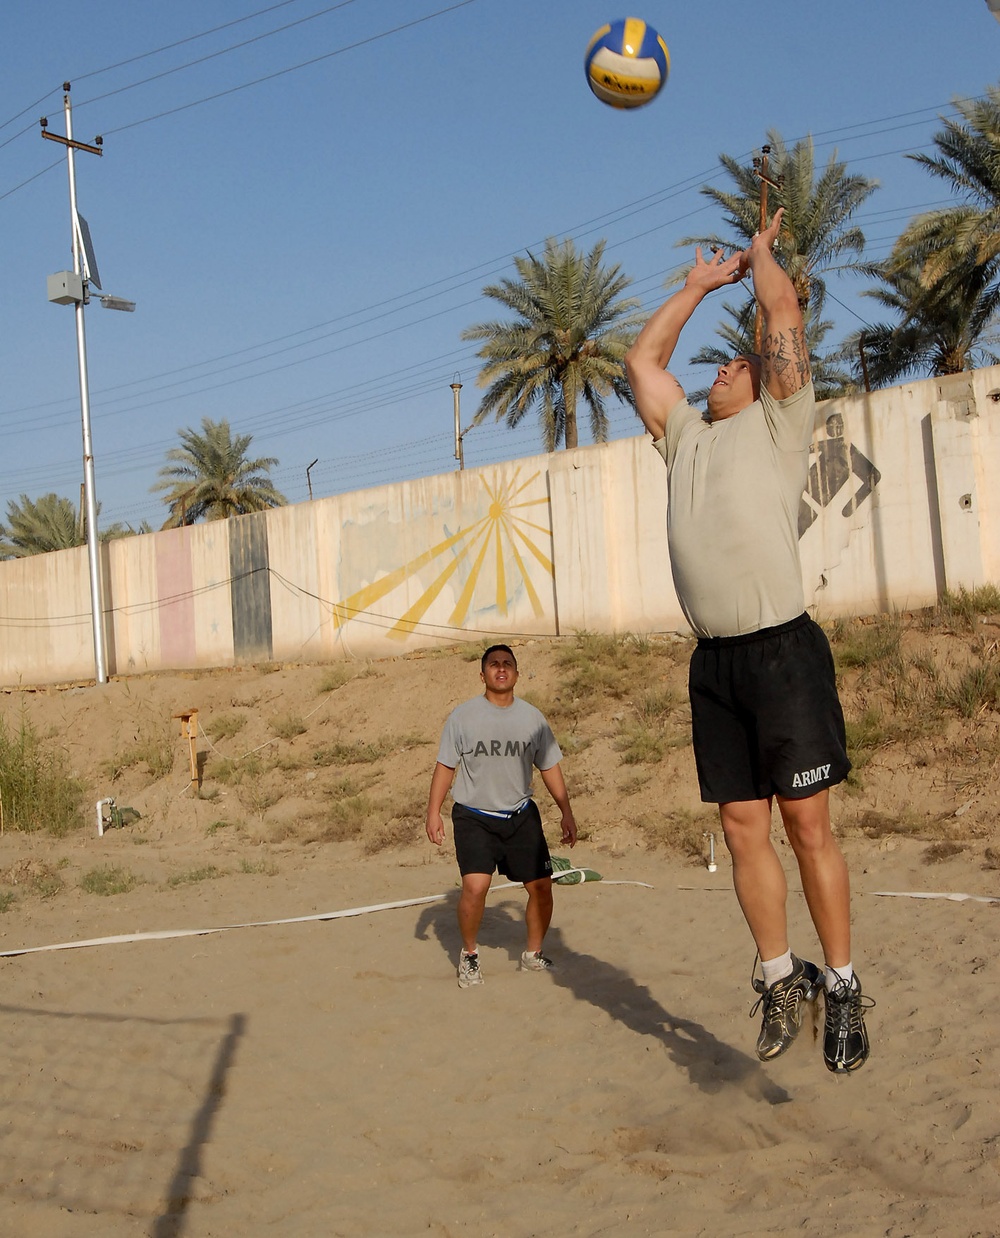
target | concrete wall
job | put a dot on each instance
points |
(899, 506)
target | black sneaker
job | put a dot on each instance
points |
(781, 1003)
(845, 1040)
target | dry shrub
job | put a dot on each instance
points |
(681, 831)
(943, 850)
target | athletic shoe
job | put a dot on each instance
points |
(781, 1003)
(536, 962)
(468, 971)
(845, 1040)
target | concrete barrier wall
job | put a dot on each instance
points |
(900, 505)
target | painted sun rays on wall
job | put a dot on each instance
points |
(491, 553)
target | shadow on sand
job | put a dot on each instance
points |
(710, 1063)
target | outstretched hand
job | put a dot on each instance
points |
(766, 241)
(716, 272)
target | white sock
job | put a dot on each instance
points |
(466, 953)
(776, 969)
(835, 974)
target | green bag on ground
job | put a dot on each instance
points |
(559, 864)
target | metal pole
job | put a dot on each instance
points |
(456, 387)
(90, 495)
(309, 479)
(760, 165)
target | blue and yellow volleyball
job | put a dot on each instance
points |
(627, 63)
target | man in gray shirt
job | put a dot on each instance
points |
(766, 719)
(494, 742)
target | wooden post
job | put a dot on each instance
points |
(189, 727)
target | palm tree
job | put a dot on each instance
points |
(38, 526)
(816, 233)
(968, 159)
(212, 479)
(942, 329)
(566, 346)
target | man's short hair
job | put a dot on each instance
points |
(497, 649)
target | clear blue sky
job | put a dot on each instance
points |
(306, 247)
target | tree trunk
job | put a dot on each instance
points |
(569, 400)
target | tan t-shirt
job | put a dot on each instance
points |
(733, 490)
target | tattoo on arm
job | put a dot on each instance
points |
(784, 356)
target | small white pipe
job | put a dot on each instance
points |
(100, 815)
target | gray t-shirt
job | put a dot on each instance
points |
(493, 748)
(733, 490)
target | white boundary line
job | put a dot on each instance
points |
(344, 914)
(952, 898)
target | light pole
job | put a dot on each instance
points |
(456, 387)
(73, 288)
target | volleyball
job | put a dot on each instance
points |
(627, 63)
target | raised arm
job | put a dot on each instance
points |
(784, 352)
(655, 389)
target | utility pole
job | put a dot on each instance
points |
(760, 171)
(456, 387)
(75, 293)
(864, 361)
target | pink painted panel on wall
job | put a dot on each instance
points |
(174, 584)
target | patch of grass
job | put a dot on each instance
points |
(108, 879)
(335, 677)
(963, 609)
(635, 783)
(258, 868)
(640, 744)
(865, 735)
(288, 727)
(215, 826)
(866, 646)
(256, 796)
(974, 690)
(363, 752)
(7, 900)
(36, 795)
(642, 740)
(681, 830)
(346, 819)
(207, 872)
(225, 726)
(152, 747)
(398, 831)
(232, 770)
(47, 885)
(654, 706)
(598, 666)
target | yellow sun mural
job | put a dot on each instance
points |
(493, 548)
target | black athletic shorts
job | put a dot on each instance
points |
(514, 845)
(765, 715)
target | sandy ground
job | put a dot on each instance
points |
(328, 1077)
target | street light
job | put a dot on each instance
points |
(456, 387)
(73, 288)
